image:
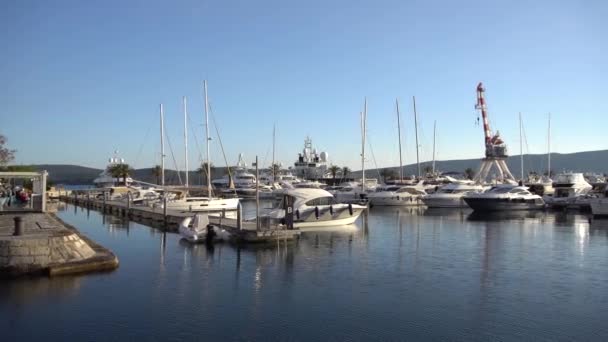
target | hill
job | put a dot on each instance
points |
(590, 161)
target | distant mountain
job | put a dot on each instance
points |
(81, 175)
(591, 161)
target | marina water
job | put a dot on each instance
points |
(396, 274)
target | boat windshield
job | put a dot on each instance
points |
(501, 190)
(321, 201)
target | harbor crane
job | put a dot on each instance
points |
(495, 147)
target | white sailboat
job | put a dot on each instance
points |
(204, 203)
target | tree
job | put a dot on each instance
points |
(388, 174)
(345, 171)
(334, 169)
(157, 172)
(120, 171)
(202, 170)
(428, 170)
(275, 169)
(469, 173)
(6, 155)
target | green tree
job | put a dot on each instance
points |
(6, 155)
(157, 172)
(345, 171)
(275, 169)
(334, 169)
(428, 170)
(120, 171)
(202, 170)
(469, 173)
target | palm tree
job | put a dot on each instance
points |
(275, 169)
(157, 172)
(469, 173)
(120, 171)
(428, 170)
(203, 169)
(334, 170)
(345, 171)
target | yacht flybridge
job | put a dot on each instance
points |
(310, 164)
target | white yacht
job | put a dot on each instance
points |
(570, 188)
(396, 195)
(504, 197)
(317, 208)
(105, 179)
(599, 205)
(451, 195)
(310, 164)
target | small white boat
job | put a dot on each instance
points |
(196, 228)
(504, 197)
(451, 195)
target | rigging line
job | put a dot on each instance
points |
(217, 132)
(373, 156)
(197, 144)
(174, 161)
(141, 147)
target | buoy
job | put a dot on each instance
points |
(317, 213)
(298, 214)
(331, 209)
(350, 209)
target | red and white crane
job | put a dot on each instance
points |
(495, 147)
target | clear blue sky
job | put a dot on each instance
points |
(81, 79)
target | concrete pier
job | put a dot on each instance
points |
(45, 245)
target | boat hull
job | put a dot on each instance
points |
(599, 207)
(396, 201)
(444, 202)
(215, 204)
(503, 204)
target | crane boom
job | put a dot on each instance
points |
(481, 105)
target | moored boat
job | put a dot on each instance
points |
(504, 197)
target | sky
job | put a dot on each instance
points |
(82, 79)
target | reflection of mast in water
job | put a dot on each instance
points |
(163, 248)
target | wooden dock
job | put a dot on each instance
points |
(169, 220)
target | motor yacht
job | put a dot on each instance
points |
(451, 195)
(410, 195)
(316, 208)
(569, 187)
(504, 197)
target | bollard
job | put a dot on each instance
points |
(18, 226)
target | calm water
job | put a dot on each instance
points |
(405, 275)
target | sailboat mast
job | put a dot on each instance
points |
(549, 148)
(186, 139)
(207, 135)
(162, 146)
(434, 136)
(399, 136)
(363, 130)
(274, 176)
(416, 126)
(521, 150)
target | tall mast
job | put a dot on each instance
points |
(208, 139)
(186, 139)
(549, 148)
(162, 146)
(274, 176)
(434, 136)
(416, 126)
(399, 136)
(521, 149)
(363, 130)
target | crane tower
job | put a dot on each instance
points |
(496, 149)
